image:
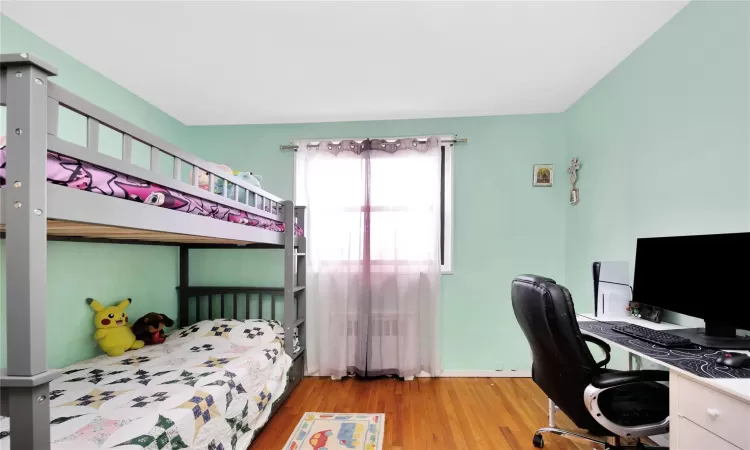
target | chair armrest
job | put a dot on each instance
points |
(603, 345)
(612, 379)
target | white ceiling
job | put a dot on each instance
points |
(211, 62)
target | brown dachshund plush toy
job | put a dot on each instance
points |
(150, 328)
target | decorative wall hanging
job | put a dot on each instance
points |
(573, 169)
(543, 174)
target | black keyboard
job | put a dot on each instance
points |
(661, 338)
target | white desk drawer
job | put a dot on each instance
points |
(693, 437)
(716, 412)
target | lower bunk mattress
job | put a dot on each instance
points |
(76, 174)
(209, 386)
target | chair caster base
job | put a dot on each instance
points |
(560, 432)
(538, 440)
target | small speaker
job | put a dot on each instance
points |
(647, 312)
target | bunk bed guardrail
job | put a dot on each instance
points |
(235, 191)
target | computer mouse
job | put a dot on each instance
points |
(736, 360)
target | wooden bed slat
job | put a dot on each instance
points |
(155, 159)
(195, 181)
(127, 148)
(92, 134)
(177, 169)
(53, 115)
(65, 228)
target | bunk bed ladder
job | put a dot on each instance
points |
(301, 264)
(25, 383)
(294, 279)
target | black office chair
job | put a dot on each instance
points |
(605, 402)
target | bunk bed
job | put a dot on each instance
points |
(57, 190)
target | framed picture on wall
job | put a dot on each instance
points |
(543, 174)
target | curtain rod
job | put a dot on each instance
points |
(443, 141)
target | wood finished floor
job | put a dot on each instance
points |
(425, 414)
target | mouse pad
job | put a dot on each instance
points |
(698, 360)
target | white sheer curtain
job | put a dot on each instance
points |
(373, 233)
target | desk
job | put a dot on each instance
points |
(706, 413)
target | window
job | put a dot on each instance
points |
(446, 208)
(397, 185)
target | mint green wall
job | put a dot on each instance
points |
(503, 225)
(664, 142)
(492, 189)
(91, 85)
(109, 273)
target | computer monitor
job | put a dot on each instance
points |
(705, 276)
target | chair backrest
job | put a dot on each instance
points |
(562, 363)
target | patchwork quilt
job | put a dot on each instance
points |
(209, 386)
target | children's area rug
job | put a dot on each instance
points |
(331, 431)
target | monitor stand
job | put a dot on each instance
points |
(715, 336)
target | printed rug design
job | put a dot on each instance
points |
(331, 431)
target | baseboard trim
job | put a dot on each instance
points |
(463, 374)
(485, 374)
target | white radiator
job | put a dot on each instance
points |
(383, 325)
(384, 335)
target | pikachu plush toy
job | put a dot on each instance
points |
(112, 330)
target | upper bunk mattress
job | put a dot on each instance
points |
(76, 174)
(209, 386)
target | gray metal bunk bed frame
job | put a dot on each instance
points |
(34, 211)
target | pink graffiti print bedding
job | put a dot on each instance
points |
(72, 173)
